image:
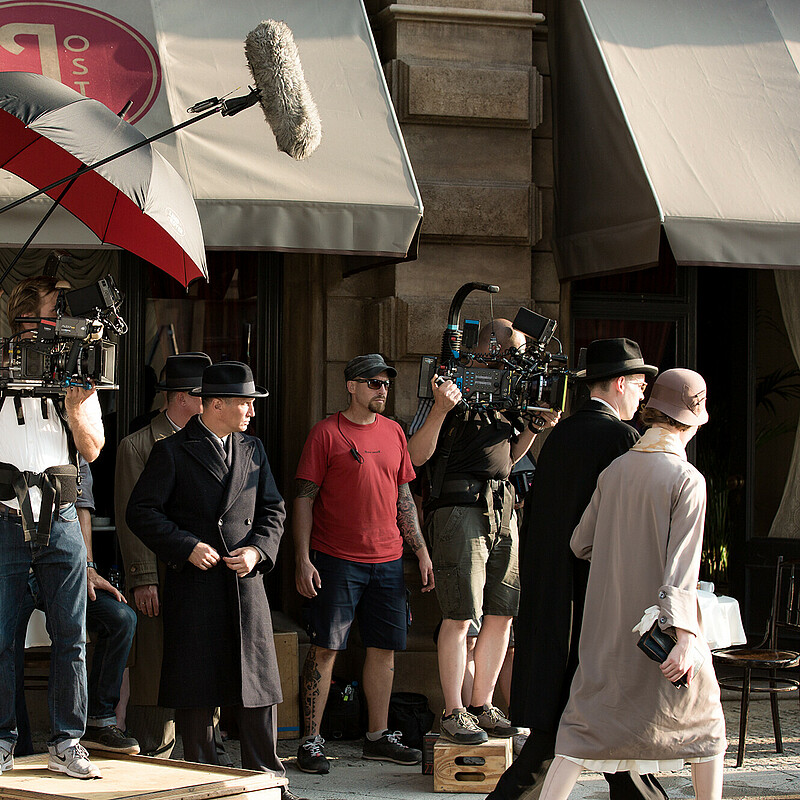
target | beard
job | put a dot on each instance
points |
(377, 405)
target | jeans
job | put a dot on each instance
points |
(60, 569)
(111, 625)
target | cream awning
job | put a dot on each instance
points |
(682, 116)
(355, 195)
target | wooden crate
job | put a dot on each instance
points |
(470, 767)
(138, 778)
(288, 667)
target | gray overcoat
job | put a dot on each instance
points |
(218, 645)
(643, 531)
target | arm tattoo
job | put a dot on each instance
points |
(408, 519)
(304, 488)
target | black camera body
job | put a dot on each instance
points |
(70, 350)
(519, 380)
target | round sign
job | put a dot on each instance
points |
(88, 50)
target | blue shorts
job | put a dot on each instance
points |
(375, 593)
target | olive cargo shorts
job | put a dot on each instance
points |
(476, 572)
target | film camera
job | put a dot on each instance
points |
(520, 380)
(71, 349)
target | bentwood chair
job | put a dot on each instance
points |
(766, 657)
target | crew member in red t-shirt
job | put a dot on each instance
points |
(352, 513)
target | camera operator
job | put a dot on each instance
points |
(472, 530)
(39, 528)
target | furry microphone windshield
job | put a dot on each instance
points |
(285, 97)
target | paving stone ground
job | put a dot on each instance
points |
(765, 774)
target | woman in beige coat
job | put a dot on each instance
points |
(643, 533)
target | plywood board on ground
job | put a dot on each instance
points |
(138, 778)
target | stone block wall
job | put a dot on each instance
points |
(470, 84)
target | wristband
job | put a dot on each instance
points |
(534, 428)
(91, 565)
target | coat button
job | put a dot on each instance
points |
(133, 569)
(663, 620)
(248, 522)
(662, 595)
(220, 523)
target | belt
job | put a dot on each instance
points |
(497, 495)
(17, 483)
(7, 511)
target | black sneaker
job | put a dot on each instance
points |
(311, 756)
(461, 727)
(390, 748)
(491, 719)
(109, 737)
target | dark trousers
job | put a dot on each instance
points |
(527, 770)
(154, 729)
(258, 736)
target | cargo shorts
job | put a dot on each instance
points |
(476, 571)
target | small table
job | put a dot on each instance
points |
(721, 620)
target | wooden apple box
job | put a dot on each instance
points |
(470, 767)
(137, 778)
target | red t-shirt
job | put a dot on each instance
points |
(355, 511)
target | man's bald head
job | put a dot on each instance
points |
(505, 334)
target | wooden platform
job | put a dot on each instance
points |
(470, 767)
(137, 778)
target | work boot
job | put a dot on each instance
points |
(461, 727)
(491, 719)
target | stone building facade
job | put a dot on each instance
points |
(470, 86)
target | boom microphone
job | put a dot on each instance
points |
(285, 97)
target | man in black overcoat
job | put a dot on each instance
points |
(207, 505)
(552, 580)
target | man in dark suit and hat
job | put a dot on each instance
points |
(552, 580)
(154, 725)
(207, 505)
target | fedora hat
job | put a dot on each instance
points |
(229, 379)
(183, 372)
(680, 394)
(610, 358)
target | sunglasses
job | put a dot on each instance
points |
(375, 383)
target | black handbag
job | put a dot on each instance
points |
(657, 644)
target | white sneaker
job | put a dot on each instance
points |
(74, 761)
(6, 761)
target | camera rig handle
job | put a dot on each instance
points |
(451, 341)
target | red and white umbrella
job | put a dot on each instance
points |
(137, 202)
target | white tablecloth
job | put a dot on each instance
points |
(721, 620)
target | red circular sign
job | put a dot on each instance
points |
(88, 50)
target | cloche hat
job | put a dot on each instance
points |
(680, 394)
